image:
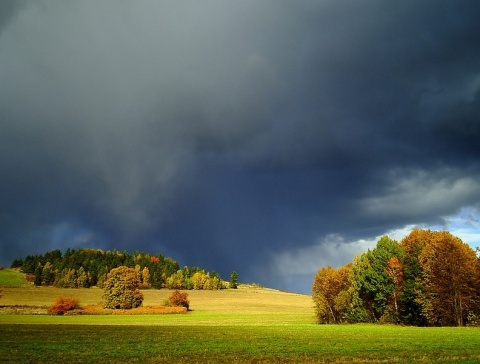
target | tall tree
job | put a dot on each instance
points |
(394, 271)
(146, 277)
(330, 291)
(120, 290)
(233, 280)
(82, 279)
(449, 272)
(48, 274)
(38, 275)
(412, 246)
(374, 288)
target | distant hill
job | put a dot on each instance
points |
(12, 278)
(83, 268)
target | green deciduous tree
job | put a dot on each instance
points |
(67, 278)
(121, 289)
(374, 287)
(176, 281)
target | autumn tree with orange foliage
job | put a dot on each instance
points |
(449, 273)
(331, 294)
(394, 271)
(179, 299)
(430, 278)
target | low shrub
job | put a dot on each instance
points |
(63, 304)
(142, 310)
(179, 299)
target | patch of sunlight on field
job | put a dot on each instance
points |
(44, 296)
(12, 278)
(245, 306)
(244, 300)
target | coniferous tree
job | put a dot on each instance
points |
(38, 275)
(48, 274)
(233, 280)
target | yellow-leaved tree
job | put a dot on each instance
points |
(120, 290)
(448, 278)
(331, 294)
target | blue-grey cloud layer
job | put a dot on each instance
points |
(223, 133)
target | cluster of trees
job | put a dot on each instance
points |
(194, 278)
(429, 278)
(120, 291)
(83, 268)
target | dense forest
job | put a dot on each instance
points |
(83, 268)
(429, 278)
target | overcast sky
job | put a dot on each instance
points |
(267, 137)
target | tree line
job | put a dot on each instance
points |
(84, 268)
(430, 278)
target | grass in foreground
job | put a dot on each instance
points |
(199, 343)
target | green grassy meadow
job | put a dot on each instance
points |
(248, 325)
(12, 278)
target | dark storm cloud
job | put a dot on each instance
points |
(242, 135)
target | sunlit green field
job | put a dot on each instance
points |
(247, 325)
(226, 339)
(12, 278)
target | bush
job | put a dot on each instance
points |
(179, 299)
(120, 290)
(30, 277)
(63, 304)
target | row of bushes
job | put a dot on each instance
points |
(177, 302)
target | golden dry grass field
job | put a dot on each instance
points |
(243, 301)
